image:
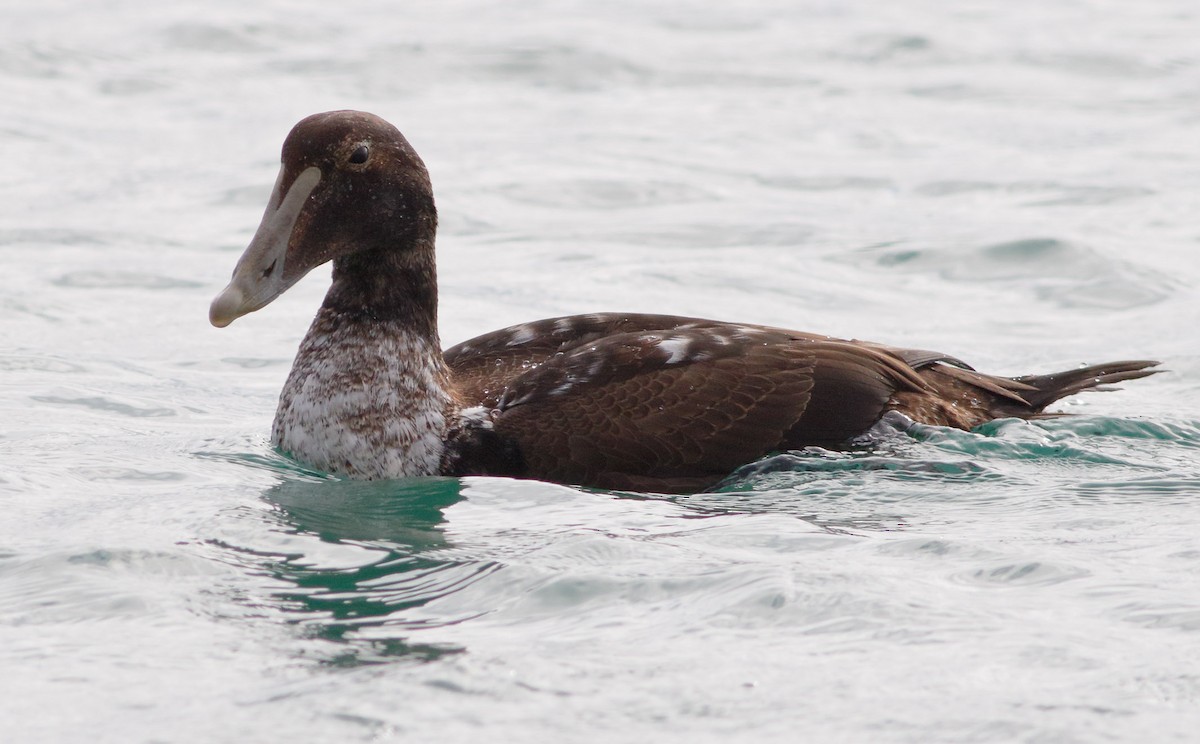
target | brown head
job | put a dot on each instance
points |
(350, 189)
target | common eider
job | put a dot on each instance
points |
(611, 400)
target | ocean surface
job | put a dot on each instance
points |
(1014, 183)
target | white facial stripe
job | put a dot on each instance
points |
(276, 195)
(258, 277)
(276, 226)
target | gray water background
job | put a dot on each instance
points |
(1012, 182)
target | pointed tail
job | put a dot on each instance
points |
(1048, 388)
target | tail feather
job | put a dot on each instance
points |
(1008, 388)
(965, 398)
(1045, 389)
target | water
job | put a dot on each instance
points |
(1013, 183)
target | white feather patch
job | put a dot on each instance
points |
(678, 349)
(522, 334)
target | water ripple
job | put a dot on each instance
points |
(123, 280)
(1036, 573)
(101, 403)
(1068, 274)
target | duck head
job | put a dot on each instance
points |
(349, 184)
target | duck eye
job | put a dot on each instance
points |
(359, 156)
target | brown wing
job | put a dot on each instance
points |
(485, 365)
(670, 403)
(677, 410)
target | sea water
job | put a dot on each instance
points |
(1014, 183)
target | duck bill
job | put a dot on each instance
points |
(258, 277)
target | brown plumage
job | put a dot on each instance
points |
(597, 399)
(640, 402)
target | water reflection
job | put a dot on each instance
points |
(373, 573)
(370, 554)
(406, 514)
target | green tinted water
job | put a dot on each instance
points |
(1013, 184)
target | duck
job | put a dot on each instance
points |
(619, 401)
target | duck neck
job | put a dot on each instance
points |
(370, 395)
(395, 287)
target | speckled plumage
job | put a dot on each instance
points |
(365, 400)
(628, 401)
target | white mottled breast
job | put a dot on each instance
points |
(367, 401)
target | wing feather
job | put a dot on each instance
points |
(670, 407)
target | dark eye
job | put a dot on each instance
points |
(359, 156)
